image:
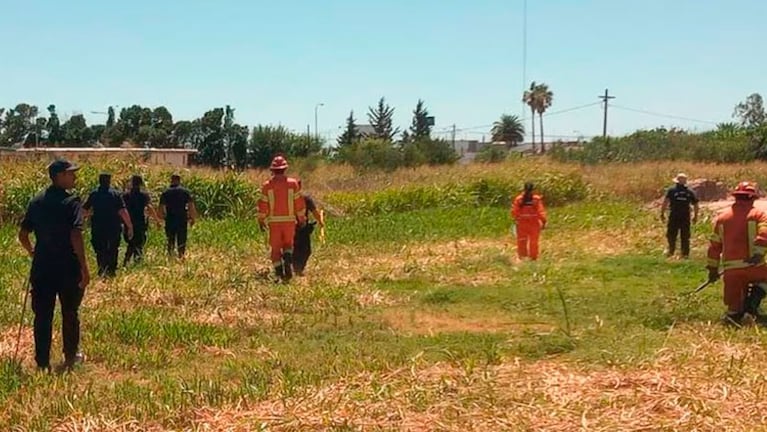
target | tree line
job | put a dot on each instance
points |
(221, 141)
(730, 142)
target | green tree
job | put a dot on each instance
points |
(97, 131)
(208, 138)
(238, 136)
(529, 98)
(420, 129)
(381, 119)
(110, 117)
(350, 135)
(543, 99)
(182, 134)
(236, 140)
(53, 126)
(76, 132)
(509, 130)
(266, 141)
(162, 119)
(751, 111)
(437, 151)
(18, 124)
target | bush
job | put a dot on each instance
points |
(556, 188)
(370, 154)
(492, 154)
(663, 144)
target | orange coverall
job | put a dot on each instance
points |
(279, 207)
(530, 218)
(739, 232)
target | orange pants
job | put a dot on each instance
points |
(527, 240)
(281, 235)
(736, 285)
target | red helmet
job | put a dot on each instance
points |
(745, 188)
(279, 163)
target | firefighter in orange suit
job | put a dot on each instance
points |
(739, 242)
(530, 217)
(279, 206)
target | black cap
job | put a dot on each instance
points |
(60, 166)
(105, 175)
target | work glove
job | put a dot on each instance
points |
(713, 274)
(756, 259)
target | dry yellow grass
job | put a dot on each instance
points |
(706, 384)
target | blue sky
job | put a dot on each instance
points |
(273, 61)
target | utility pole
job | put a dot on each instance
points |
(524, 52)
(453, 137)
(605, 98)
(316, 133)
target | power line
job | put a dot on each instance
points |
(663, 115)
(485, 126)
(553, 113)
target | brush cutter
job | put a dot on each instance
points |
(704, 284)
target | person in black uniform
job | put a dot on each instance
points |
(108, 214)
(302, 245)
(59, 267)
(679, 198)
(137, 202)
(178, 209)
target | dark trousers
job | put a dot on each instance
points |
(302, 247)
(135, 250)
(176, 232)
(106, 244)
(43, 305)
(678, 226)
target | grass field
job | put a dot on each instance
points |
(419, 320)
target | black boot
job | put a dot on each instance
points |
(754, 299)
(280, 272)
(287, 261)
(733, 319)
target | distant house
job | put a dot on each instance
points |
(366, 130)
(154, 156)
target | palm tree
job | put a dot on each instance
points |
(728, 130)
(543, 98)
(529, 99)
(508, 129)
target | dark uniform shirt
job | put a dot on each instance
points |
(136, 202)
(51, 216)
(106, 204)
(175, 200)
(680, 199)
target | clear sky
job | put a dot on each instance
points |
(274, 61)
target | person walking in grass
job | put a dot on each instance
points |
(138, 203)
(280, 207)
(530, 218)
(178, 210)
(106, 207)
(678, 200)
(59, 266)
